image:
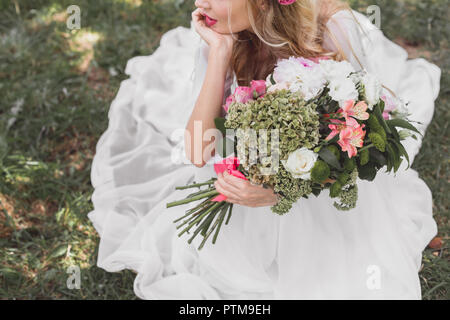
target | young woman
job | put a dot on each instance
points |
(314, 252)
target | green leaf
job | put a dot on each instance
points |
(58, 251)
(403, 124)
(381, 104)
(390, 160)
(394, 131)
(401, 150)
(391, 155)
(220, 124)
(378, 156)
(380, 118)
(11, 276)
(329, 157)
(367, 172)
(272, 81)
(316, 192)
(397, 158)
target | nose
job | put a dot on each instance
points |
(202, 4)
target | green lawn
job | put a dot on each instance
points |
(56, 86)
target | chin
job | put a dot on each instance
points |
(224, 30)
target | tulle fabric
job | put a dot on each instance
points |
(314, 252)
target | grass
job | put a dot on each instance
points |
(56, 86)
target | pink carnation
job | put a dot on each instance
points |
(244, 94)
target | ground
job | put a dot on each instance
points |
(56, 86)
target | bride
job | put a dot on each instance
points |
(373, 251)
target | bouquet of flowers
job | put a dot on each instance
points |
(313, 124)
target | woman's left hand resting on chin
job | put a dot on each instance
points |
(242, 192)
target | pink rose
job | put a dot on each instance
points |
(243, 94)
(259, 86)
(228, 102)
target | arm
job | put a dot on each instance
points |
(207, 107)
(200, 128)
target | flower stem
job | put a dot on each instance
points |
(212, 229)
(195, 214)
(200, 192)
(196, 184)
(366, 147)
(220, 219)
(229, 214)
(188, 200)
(196, 208)
(201, 216)
(204, 224)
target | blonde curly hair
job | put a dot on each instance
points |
(279, 32)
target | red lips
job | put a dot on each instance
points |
(209, 21)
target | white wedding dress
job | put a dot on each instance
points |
(314, 252)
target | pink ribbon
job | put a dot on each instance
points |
(230, 165)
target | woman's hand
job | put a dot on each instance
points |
(216, 41)
(239, 191)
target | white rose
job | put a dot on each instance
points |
(300, 162)
(342, 90)
(372, 89)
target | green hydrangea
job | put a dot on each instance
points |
(289, 187)
(320, 171)
(349, 164)
(298, 124)
(343, 177)
(353, 177)
(347, 198)
(376, 127)
(282, 207)
(296, 119)
(377, 141)
(335, 150)
(335, 189)
(364, 157)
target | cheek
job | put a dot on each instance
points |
(238, 19)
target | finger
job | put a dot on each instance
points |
(234, 201)
(236, 182)
(198, 17)
(224, 183)
(225, 192)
